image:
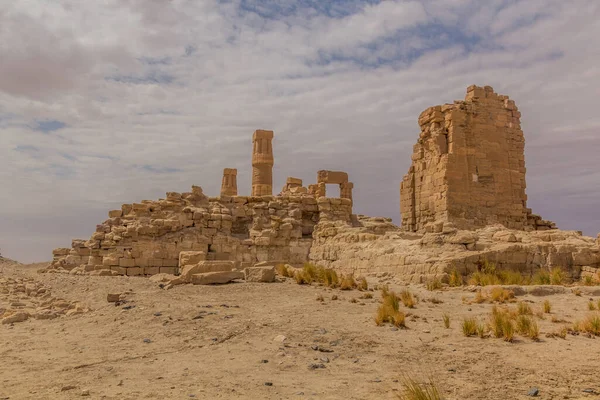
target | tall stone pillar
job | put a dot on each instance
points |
(229, 184)
(262, 163)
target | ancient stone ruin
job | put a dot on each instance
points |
(468, 167)
(463, 203)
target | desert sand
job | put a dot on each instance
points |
(277, 341)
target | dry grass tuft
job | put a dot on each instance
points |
(334, 297)
(577, 292)
(348, 282)
(528, 327)
(434, 284)
(479, 297)
(389, 310)
(481, 331)
(284, 271)
(469, 326)
(367, 296)
(547, 306)
(524, 309)
(591, 325)
(311, 273)
(446, 319)
(407, 299)
(591, 306)
(363, 284)
(588, 281)
(501, 295)
(435, 300)
(455, 279)
(416, 391)
(501, 324)
(353, 300)
(320, 298)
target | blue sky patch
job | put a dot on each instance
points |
(49, 125)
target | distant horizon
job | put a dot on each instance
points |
(105, 103)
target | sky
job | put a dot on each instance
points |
(116, 101)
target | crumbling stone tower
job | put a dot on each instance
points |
(468, 167)
(229, 183)
(262, 163)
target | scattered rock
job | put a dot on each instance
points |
(85, 392)
(20, 316)
(113, 297)
(147, 340)
(268, 383)
(316, 366)
(260, 274)
(533, 392)
(68, 387)
(279, 339)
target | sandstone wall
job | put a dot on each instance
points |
(374, 246)
(147, 238)
(468, 167)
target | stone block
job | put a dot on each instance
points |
(210, 278)
(168, 270)
(134, 271)
(127, 262)
(260, 274)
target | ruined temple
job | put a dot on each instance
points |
(463, 203)
(154, 237)
(468, 167)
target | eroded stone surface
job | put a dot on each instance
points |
(468, 167)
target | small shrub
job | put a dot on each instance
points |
(557, 276)
(389, 310)
(353, 300)
(310, 272)
(367, 296)
(501, 295)
(446, 319)
(455, 279)
(469, 327)
(547, 306)
(480, 298)
(363, 284)
(598, 305)
(588, 280)
(501, 324)
(534, 331)
(481, 330)
(577, 292)
(592, 325)
(523, 324)
(320, 298)
(512, 278)
(484, 279)
(562, 333)
(524, 309)
(435, 300)
(301, 278)
(557, 320)
(591, 306)
(334, 297)
(415, 391)
(328, 277)
(282, 270)
(348, 282)
(434, 284)
(407, 298)
(542, 277)
(399, 319)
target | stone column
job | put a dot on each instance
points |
(262, 163)
(229, 185)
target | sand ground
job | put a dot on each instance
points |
(222, 342)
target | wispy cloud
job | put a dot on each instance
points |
(138, 98)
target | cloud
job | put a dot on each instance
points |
(103, 103)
